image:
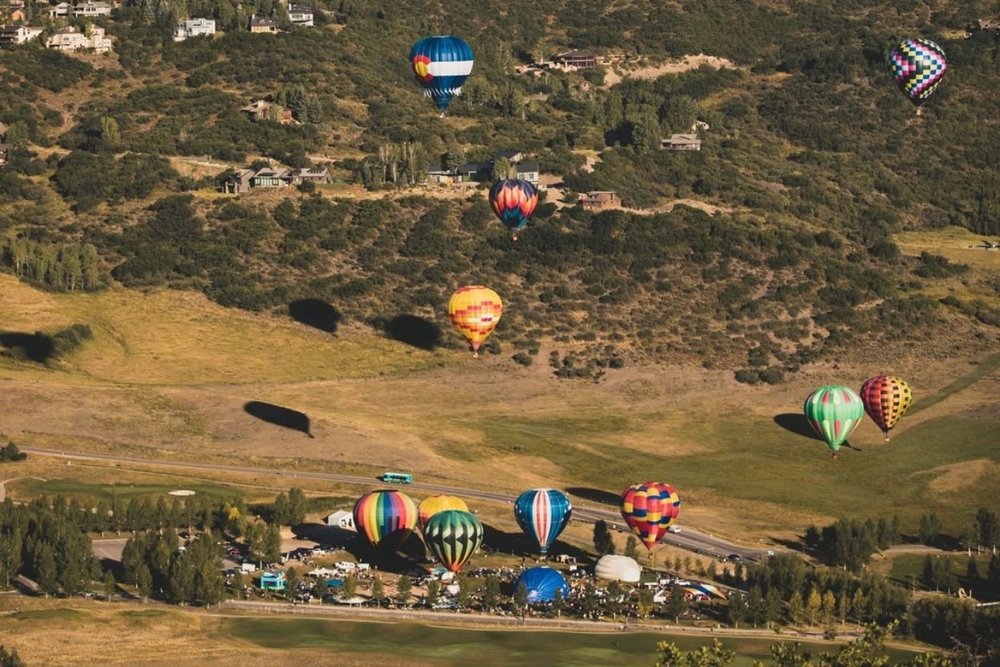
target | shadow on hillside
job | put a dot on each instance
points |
(595, 495)
(415, 331)
(35, 347)
(315, 313)
(797, 424)
(279, 416)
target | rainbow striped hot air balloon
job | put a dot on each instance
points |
(886, 400)
(513, 200)
(385, 518)
(542, 514)
(453, 536)
(441, 64)
(917, 66)
(834, 411)
(431, 506)
(475, 311)
(649, 508)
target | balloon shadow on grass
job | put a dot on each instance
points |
(315, 313)
(35, 347)
(279, 416)
(797, 424)
(595, 495)
(414, 331)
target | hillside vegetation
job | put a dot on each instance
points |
(815, 162)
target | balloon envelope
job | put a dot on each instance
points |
(886, 399)
(834, 411)
(475, 311)
(513, 200)
(441, 64)
(541, 584)
(618, 568)
(385, 518)
(542, 514)
(649, 508)
(431, 506)
(917, 66)
(453, 536)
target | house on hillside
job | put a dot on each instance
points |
(71, 39)
(262, 110)
(194, 28)
(61, 10)
(300, 15)
(314, 175)
(599, 200)
(271, 178)
(272, 581)
(19, 34)
(681, 142)
(575, 59)
(260, 25)
(527, 171)
(244, 180)
(90, 9)
(341, 519)
(472, 172)
(238, 182)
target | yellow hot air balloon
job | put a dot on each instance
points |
(475, 311)
(431, 506)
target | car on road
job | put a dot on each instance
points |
(735, 558)
(674, 529)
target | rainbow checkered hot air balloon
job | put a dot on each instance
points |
(542, 514)
(430, 506)
(385, 518)
(649, 508)
(454, 536)
(441, 64)
(917, 66)
(475, 311)
(886, 400)
(513, 200)
(834, 411)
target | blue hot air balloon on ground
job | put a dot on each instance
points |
(542, 514)
(441, 64)
(541, 584)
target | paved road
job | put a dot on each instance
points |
(691, 539)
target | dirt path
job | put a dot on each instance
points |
(651, 72)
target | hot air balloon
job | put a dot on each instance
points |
(618, 568)
(513, 200)
(475, 311)
(542, 514)
(431, 506)
(649, 508)
(385, 518)
(917, 66)
(441, 65)
(541, 584)
(834, 411)
(453, 536)
(886, 400)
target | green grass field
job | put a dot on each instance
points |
(69, 488)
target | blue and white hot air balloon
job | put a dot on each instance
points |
(441, 64)
(542, 515)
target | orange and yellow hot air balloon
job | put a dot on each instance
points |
(431, 506)
(475, 311)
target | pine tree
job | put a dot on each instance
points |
(45, 569)
(813, 605)
(144, 581)
(109, 584)
(404, 590)
(378, 592)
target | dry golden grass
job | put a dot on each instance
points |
(957, 476)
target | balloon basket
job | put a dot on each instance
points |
(475, 355)
(833, 456)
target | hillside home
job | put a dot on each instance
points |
(71, 39)
(575, 59)
(441, 176)
(261, 25)
(244, 180)
(194, 28)
(312, 176)
(262, 110)
(681, 142)
(599, 200)
(61, 10)
(527, 171)
(300, 15)
(91, 9)
(18, 34)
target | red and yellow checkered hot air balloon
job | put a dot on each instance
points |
(886, 399)
(475, 311)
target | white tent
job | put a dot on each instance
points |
(618, 568)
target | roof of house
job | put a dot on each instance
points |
(684, 137)
(575, 53)
(300, 9)
(524, 167)
(507, 154)
(471, 167)
(262, 21)
(306, 172)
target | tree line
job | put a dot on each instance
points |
(65, 267)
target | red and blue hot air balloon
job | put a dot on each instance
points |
(542, 514)
(441, 64)
(649, 508)
(513, 200)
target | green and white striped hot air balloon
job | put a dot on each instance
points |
(453, 536)
(834, 411)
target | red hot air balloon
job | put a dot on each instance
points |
(649, 508)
